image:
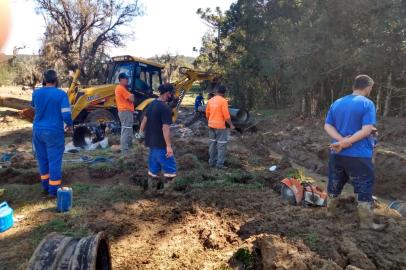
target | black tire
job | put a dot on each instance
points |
(100, 116)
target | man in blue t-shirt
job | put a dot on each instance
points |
(156, 125)
(52, 109)
(350, 122)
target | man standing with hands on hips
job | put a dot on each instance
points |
(350, 122)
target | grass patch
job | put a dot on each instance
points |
(104, 166)
(222, 183)
(62, 226)
(21, 195)
(240, 177)
(299, 175)
(312, 240)
(69, 166)
(90, 195)
(84, 196)
(182, 184)
(244, 256)
(220, 179)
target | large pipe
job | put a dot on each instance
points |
(57, 252)
(238, 116)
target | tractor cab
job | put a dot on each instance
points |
(144, 76)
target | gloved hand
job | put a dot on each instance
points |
(139, 136)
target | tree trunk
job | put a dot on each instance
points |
(303, 105)
(388, 96)
(314, 102)
(331, 95)
(378, 101)
(402, 107)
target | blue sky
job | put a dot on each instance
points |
(167, 26)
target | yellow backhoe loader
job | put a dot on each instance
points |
(97, 104)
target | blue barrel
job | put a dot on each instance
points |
(6, 217)
(64, 199)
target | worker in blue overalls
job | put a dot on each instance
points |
(52, 109)
(199, 101)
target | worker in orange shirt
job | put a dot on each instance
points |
(218, 115)
(125, 107)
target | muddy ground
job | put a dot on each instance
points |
(213, 219)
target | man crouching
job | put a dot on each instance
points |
(156, 125)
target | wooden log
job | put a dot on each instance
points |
(14, 103)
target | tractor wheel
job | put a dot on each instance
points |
(100, 116)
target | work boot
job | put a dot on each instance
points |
(366, 217)
(332, 203)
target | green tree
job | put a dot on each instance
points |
(305, 54)
(78, 32)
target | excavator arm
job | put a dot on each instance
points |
(183, 86)
(73, 87)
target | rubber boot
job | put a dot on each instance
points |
(45, 186)
(168, 182)
(366, 217)
(149, 183)
(332, 203)
(160, 188)
(164, 185)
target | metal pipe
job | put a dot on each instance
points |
(238, 116)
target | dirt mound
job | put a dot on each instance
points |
(305, 142)
(102, 170)
(19, 176)
(23, 161)
(392, 130)
(277, 252)
(195, 146)
(390, 175)
(189, 161)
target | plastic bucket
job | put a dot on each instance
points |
(6, 217)
(64, 199)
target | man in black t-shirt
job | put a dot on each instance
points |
(156, 125)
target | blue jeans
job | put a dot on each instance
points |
(358, 171)
(158, 161)
(49, 147)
